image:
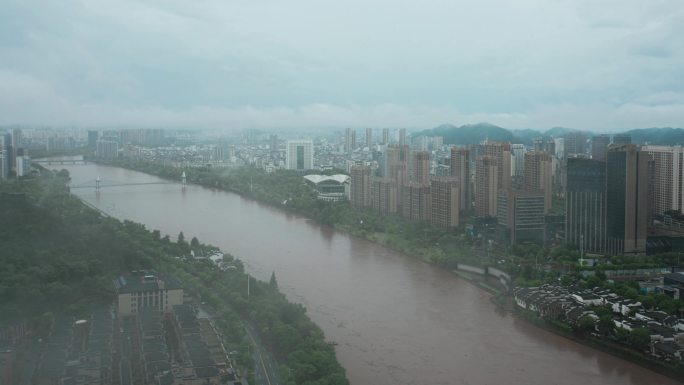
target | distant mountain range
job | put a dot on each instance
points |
(476, 133)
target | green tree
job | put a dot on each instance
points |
(194, 242)
(640, 338)
(606, 324)
(273, 283)
(586, 324)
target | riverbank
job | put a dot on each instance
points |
(88, 248)
(613, 348)
(332, 253)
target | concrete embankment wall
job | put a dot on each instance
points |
(472, 269)
(503, 277)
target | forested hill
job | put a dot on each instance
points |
(470, 133)
(477, 133)
(660, 136)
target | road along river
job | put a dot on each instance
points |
(395, 320)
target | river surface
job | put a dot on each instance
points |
(396, 320)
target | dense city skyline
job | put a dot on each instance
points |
(607, 66)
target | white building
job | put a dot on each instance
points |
(299, 155)
(4, 164)
(23, 165)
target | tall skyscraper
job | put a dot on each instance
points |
(353, 140)
(599, 146)
(299, 155)
(360, 186)
(385, 136)
(420, 167)
(539, 175)
(460, 170)
(347, 139)
(668, 178)
(521, 214)
(445, 202)
(273, 143)
(486, 186)
(585, 204)
(369, 137)
(627, 199)
(384, 195)
(402, 137)
(416, 201)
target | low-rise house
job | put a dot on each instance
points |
(667, 350)
(679, 325)
(660, 317)
(587, 299)
(625, 306)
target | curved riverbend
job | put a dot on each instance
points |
(396, 320)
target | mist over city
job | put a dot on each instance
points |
(316, 193)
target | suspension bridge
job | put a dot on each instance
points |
(100, 183)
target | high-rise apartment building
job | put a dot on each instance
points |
(585, 204)
(420, 167)
(369, 137)
(486, 186)
(575, 143)
(385, 136)
(437, 142)
(415, 202)
(402, 137)
(668, 178)
(539, 175)
(107, 149)
(299, 155)
(4, 167)
(353, 140)
(384, 195)
(599, 146)
(360, 186)
(518, 160)
(445, 202)
(500, 154)
(460, 170)
(627, 200)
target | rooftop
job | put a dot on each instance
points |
(145, 281)
(316, 179)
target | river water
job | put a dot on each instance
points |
(395, 320)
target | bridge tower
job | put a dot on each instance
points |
(184, 180)
(97, 184)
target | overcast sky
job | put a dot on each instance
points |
(608, 64)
